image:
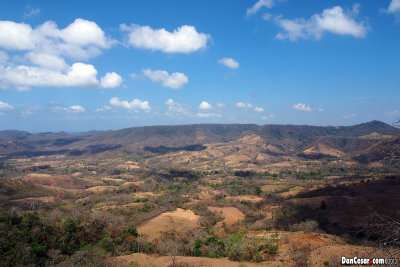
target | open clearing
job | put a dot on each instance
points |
(178, 221)
(231, 215)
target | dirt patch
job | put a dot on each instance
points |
(291, 192)
(272, 187)
(129, 184)
(130, 165)
(101, 189)
(34, 199)
(179, 221)
(246, 198)
(231, 215)
(145, 194)
(323, 149)
(235, 160)
(63, 181)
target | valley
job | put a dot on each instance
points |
(200, 195)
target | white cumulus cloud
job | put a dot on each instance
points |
(75, 109)
(111, 80)
(205, 106)
(302, 107)
(394, 6)
(23, 77)
(229, 62)
(175, 80)
(5, 106)
(334, 20)
(135, 104)
(184, 39)
(258, 109)
(44, 50)
(258, 5)
(81, 39)
(47, 61)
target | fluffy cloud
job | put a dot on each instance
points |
(205, 106)
(258, 109)
(85, 33)
(258, 5)
(394, 6)
(243, 105)
(209, 115)
(184, 39)
(43, 49)
(81, 39)
(135, 104)
(302, 107)
(174, 80)
(334, 20)
(229, 62)
(75, 109)
(111, 80)
(47, 61)
(23, 77)
(5, 106)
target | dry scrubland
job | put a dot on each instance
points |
(241, 202)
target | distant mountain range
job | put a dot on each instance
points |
(288, 138)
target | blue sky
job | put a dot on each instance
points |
(98, 65)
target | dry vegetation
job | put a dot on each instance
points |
(243, 202)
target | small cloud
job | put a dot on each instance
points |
(258, 5)
(176, 109)
(103, 108)
(175, 80)
(333, 20)
(111, 80)
(394, 6)
(229, 62)
(205, 106)
(302, 107)
(184, 39)
(220, 105)
(258, 109)
(75, 109)
(208, 115)
(31, 12)
(5, 106)
(135, 104)
(243, 105)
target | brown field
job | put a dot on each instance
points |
(231, 215)
(178, 221)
